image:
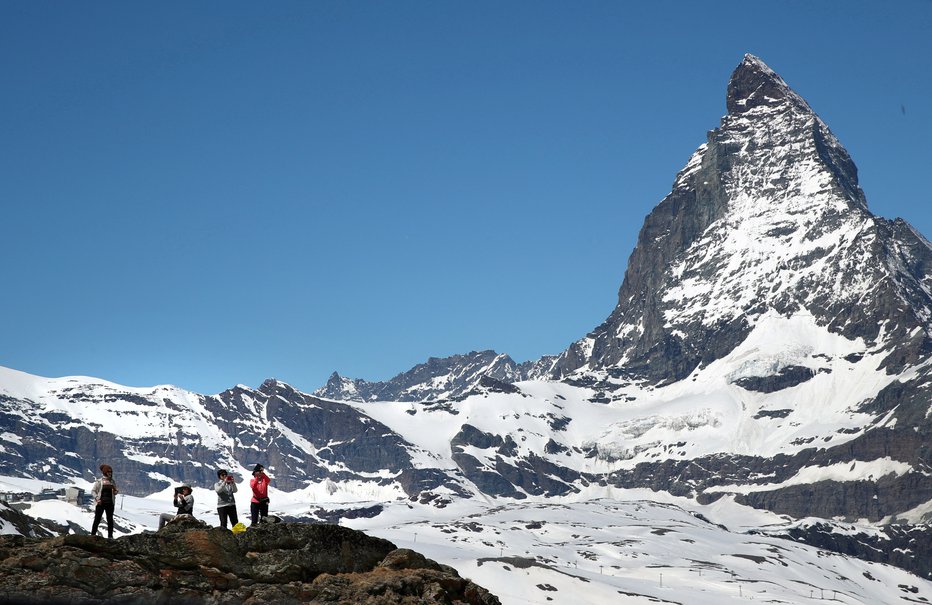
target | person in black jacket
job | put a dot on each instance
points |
(104, 493)
(184, 502)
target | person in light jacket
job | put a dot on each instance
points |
(104, 493)
(259, 505)
(226, 502)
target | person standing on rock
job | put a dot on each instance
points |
(104, 493)
(259, 505)
(226, 502)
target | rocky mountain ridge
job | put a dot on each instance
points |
(438, 378)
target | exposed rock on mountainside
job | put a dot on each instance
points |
(187, 562)
(904, 546)
(12, 520)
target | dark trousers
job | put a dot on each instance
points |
(98, 513)
(258, 509)
(227, 513)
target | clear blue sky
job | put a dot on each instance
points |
(212, 193)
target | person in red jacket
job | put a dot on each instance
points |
(259, 505)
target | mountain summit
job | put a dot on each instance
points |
(754, 84)
(766, 217)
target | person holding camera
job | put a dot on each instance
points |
(184, 502)
(104, 493)
(226, 502)
(259, 505)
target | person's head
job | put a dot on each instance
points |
(106, 470)
(186, 490)
(257, 470)
(222, 474)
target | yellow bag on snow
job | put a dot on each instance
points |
(239, 527)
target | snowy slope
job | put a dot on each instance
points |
(706, 414)
(625, 547)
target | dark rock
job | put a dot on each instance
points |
(188, 563)
(492, 385)
(772, 414)
(489, 481)
(538, 476)
(787, 377)
(334, 516)
(470, 435)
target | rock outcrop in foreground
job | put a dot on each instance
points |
(191, 563)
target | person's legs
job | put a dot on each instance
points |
(223, 513)
(231, 512)
(264, 509)
(254, 512)
(98, 513)
(165, 518)
(110, 521)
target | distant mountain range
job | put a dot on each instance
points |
(771, 342)
(439, 378)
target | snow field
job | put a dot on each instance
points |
(629, 549)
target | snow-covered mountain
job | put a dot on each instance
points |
(766, 217)
(770, 349)
(768, 325)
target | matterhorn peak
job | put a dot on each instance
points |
(766, 218)
(754, 84)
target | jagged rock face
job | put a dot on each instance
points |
(767, 215)
(437, 379)
(188, 562)
(14, 521)
(341, 440)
